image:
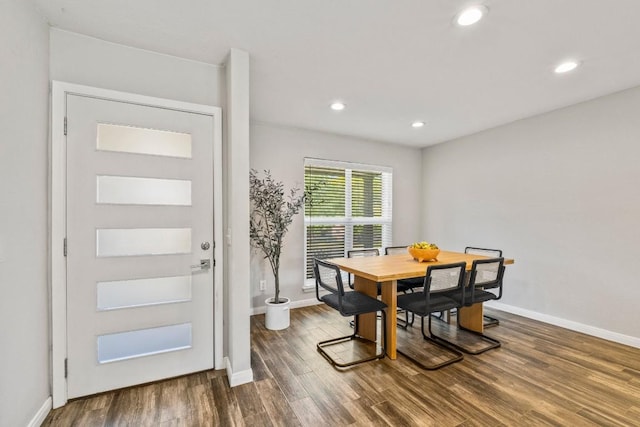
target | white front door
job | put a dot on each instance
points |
(139, 236)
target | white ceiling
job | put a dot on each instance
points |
(391, 61)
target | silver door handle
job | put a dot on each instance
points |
(205, 264)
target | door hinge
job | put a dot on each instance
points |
(66, 367)
(214, 262)
(65, 125)
(64, 247)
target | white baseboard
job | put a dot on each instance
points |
(237, 378)
(42, 413)
(294, 304)
(568, 324)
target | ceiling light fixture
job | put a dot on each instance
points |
(417, 124)
(471, 15)
(566, 66)
(338, 106)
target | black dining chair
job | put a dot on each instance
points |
(354, 303)
(357, 253)
(493, 253)
(443, 290)
(354, 253)
(485, 284)
(404, 284)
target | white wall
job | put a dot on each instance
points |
(88, 61)
(282, 150)
(24, 314)
(559, 194)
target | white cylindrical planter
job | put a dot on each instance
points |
(277, 315)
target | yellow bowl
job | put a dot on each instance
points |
(422, 255)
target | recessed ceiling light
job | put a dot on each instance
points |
(417, 124)
(338, 106)
(471, 15)
(566, 66)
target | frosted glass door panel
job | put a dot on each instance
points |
(130, 139)
(142, 241)
(127, 190)
(140, 292)
(144, 342)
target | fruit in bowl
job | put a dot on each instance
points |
(424, 251)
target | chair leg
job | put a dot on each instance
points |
(445, 316)
(322, 344)
(383, 334)
(405, 323)
(490, 321)
(456, 355)
(491, 342)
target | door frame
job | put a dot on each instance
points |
(58, 213)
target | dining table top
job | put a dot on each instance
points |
(393, 267)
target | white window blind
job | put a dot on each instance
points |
(351, 209)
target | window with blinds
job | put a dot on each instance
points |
(350, 209)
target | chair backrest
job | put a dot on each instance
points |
(395, 250)
(445, 278)
(328, 278)
(487, 273)
(354, 253)
(494, 253)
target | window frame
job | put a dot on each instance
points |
(386, 220)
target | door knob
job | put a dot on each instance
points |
(205, 246)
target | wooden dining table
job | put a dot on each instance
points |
(387, 270)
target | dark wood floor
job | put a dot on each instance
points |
(542, 375)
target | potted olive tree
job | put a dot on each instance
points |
(272, 211)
